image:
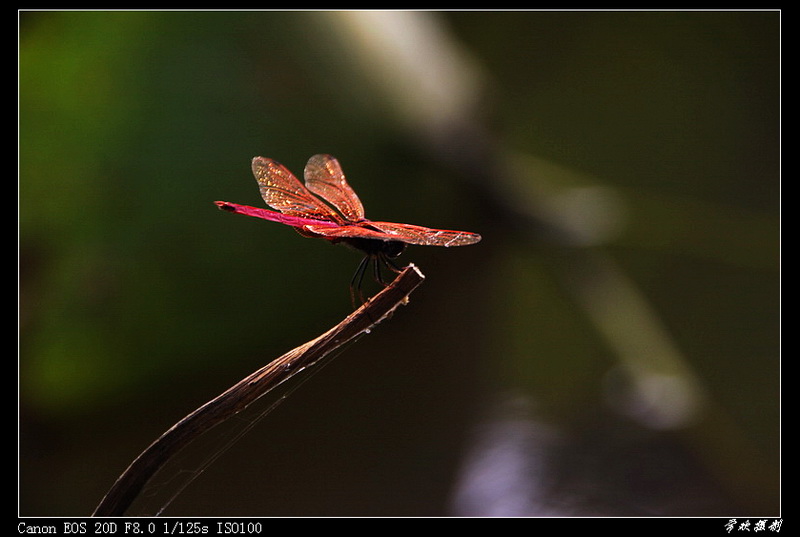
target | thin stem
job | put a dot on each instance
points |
(251, 388)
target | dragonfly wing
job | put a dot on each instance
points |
(325, 178)
(285, 193)
(424, 236)
(390, 231)
(346, 232)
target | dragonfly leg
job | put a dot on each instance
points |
(383, 260)
(387, 260)
(358, 277)
(378, 261)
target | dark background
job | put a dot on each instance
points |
(611, 347)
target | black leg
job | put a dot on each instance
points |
(377, 269)
(391, 264)
(358, 277)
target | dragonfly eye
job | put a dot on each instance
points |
(393, 249)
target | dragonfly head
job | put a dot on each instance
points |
(393, 249)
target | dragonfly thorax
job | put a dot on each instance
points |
(374, 247)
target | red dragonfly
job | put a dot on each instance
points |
(341, 219)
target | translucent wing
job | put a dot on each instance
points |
(425, 236)
(390, 231)
(299, 206)
(285, 193)
(325, 178)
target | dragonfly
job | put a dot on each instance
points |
(327, 207)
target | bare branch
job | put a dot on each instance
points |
(251, 388)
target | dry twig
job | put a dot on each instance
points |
(251, 388)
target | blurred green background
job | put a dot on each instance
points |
(611, 347)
